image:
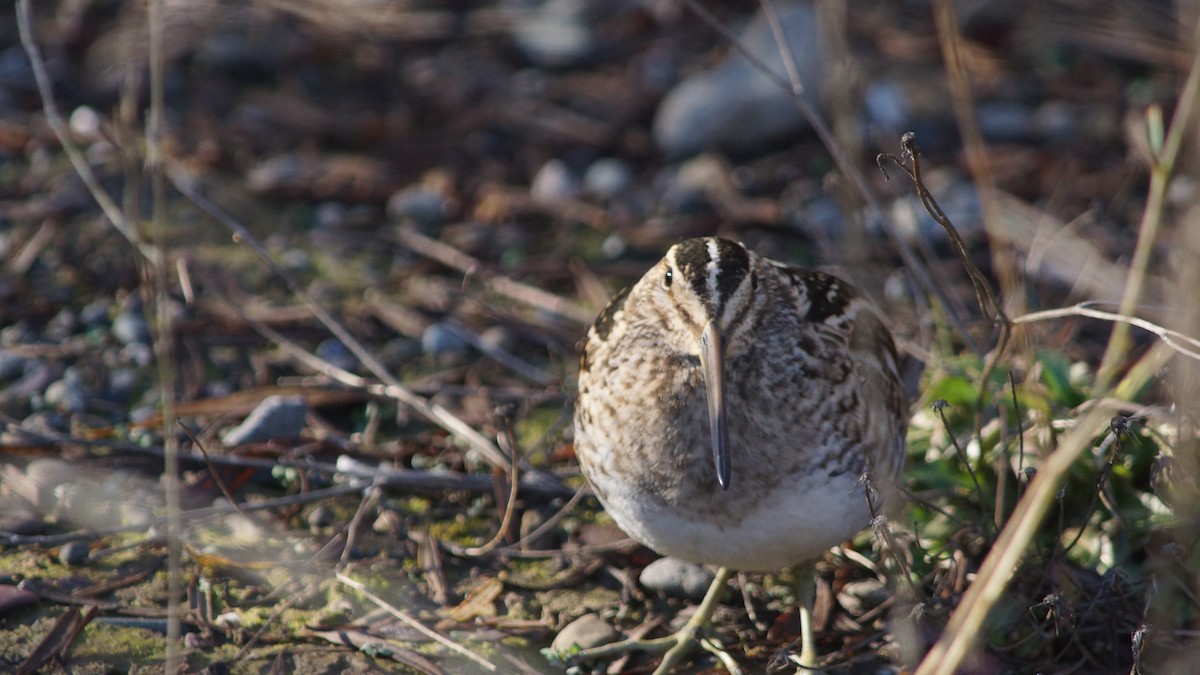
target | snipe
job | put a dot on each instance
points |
(729, 408)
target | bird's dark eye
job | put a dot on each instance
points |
(670, 276)
(754, 281)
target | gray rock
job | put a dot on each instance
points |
(556, 35)
(95, 313)
(887, 106)
(333, 351)
(606, 178)
(863, 595)
(275, 417)
(1057, 121)
(421, 204)
(69, 393)
(440, 339)
(61, 325)
(736, 107)
(587, 631)
(959, 201)
(677, 578)
(1005, 121)
(13, 598)
(11, 365)
(130, 327)
(554, 182)
(73, 553)
(320, 517)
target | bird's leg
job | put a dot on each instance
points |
(676, 646)
(804, 584)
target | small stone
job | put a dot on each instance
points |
(95, 313)
(531, 520)
(336, 353)
(275, 417)
(677, 578)
(863, 595)
(330, 214)
(736, 107)
(1005, 121)
(12, 365)
(887, 106)
(554, 182)
(587, 631)
(69, 393)
(62, 325)
(556, 35)
(421, 204)
(389, 522)
(130, 327)
(320, 517)
(13, 598)
(498, 337)
(606, 178)
(439, 339)
(85, 123)
(73, 553)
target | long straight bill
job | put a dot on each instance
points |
(712, 360)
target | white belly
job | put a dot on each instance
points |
(794, 523)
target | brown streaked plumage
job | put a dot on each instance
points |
(729, 406)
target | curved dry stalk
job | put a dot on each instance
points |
(984, 295)
(1177, 341)
(412, 622)
(514, 290)
(55, 121)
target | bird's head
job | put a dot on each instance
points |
(707, 290)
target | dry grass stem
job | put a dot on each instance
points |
(412, 622)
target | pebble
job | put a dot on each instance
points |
(959, 201)
(531, 520)
(863, 595)
(336, 353)
(130, 327)
(389, 522)
(73, 553)
(11, 365)
(1005, 121)
(13, 598)
(421, 204)
(275, 417)
(554, 182)
(320, 517)
(95, 313)
(607, 178)
(439, 339)
(887, 106)
(61, 326)
(556, 35)
(69, 393)
(734, 106)
(587, 631)
(85, 123)
(677, 578)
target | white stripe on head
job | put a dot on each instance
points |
(714, 269)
